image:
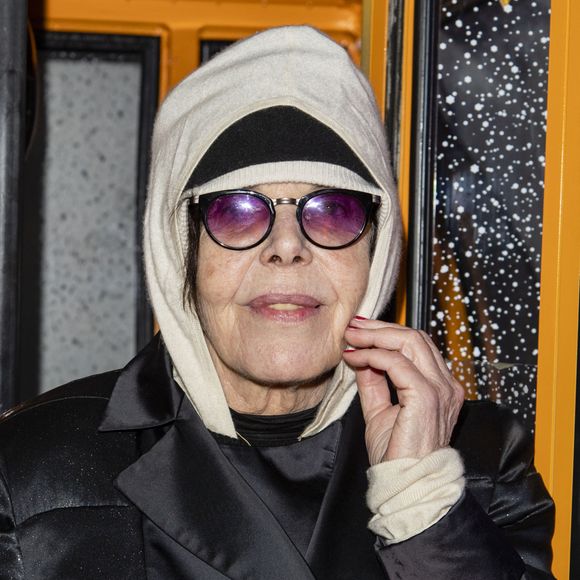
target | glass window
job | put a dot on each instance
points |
(484, 193)
(82, 295)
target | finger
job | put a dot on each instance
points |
(403, 373)
(397, 338)
(436, 353)
(367, 322)
(435, 406)
(456, 392)
(451, 393)
(372, 324)
(445, 371)
(360, 322)
(373, 391)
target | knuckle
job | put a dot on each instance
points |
(458, 388)
(413, 343)
(397, 358)
(458, 398)
(416, 337)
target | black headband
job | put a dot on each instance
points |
(272, 135)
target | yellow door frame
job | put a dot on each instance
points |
(375, 15)
(560, 276)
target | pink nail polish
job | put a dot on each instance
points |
(360, 317)
(349, 350)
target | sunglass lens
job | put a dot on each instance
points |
(238, 220)
(333, 219)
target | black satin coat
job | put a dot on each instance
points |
(114, 477)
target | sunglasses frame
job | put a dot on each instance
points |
(369, 201)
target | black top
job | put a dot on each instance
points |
(288, 475)
(270, 430)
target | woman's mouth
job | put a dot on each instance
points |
(285, 307)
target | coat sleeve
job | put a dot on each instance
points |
(11, 567)
(509, 542)
(521, 505)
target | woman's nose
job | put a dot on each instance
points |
(286, 244)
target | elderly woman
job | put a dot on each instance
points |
(257, 436)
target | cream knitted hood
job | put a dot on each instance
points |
(291, 66)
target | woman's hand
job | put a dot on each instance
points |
(430, 398)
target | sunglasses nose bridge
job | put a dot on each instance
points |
(285, 201)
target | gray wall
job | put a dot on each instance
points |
(80, 251)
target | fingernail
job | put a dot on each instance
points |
(357, 317)
(349, 350)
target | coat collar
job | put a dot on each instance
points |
(145, 394)
(186, 486)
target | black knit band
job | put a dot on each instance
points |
(273, 135)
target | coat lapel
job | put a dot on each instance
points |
(145, 394)
(188, 488)
(341, 545)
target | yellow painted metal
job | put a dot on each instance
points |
(181, 24)
(560, 275)
(374, 47)
(405, 147)
(374, 64)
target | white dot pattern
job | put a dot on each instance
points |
(492, 91)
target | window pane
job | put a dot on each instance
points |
(80, 247)
(491, 96)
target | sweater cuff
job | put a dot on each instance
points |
(409, 495)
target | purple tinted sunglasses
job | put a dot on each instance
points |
(240, 219)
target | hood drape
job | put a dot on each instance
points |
(290, 66)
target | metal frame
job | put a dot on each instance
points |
(181, 25)
(13, 15)
(374, 43)
(424, 127)
(394, 82)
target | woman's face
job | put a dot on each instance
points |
(276, 314)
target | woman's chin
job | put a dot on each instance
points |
(287, 369)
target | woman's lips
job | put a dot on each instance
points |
(285, 307)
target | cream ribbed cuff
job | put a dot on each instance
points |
(409, 495)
